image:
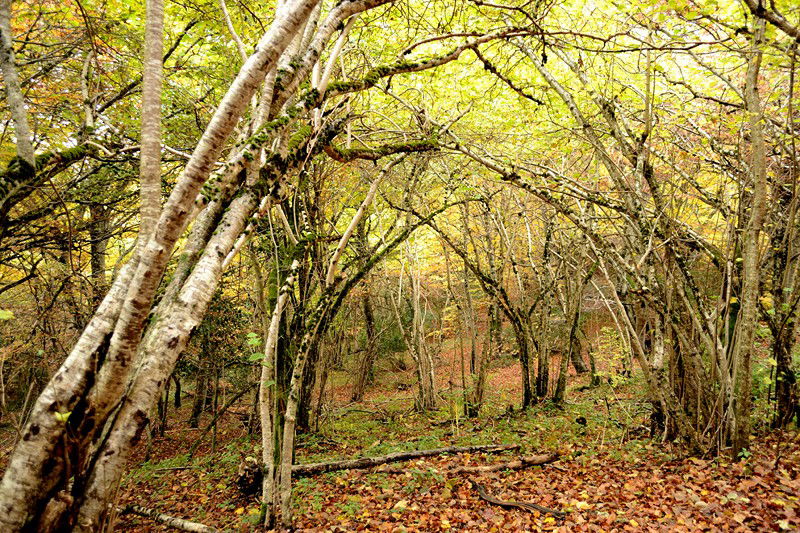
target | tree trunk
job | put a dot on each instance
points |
(367, 361)
(199, 399)
(177, 379)
(785, 380)
(150, 152)
(14, 98)
(98, 235)
(748, 322)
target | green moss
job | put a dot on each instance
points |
(302, 133)
(73, 154)
(372, 77)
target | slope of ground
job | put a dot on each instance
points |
(611, 476)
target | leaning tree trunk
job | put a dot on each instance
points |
(38, 469)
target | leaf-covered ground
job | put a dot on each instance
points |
(611, 476)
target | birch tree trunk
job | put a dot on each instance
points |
(150, 151)
(92, 380)
(14, 98)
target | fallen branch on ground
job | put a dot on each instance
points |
(177, 523)
(517, 464)
(525, 506)
(251, 471)
(368, 462)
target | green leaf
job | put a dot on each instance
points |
(256, 357)
(253, 339)
(62, 417)
(6, 315)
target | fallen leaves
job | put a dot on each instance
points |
(601, 491)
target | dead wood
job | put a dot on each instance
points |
(517, 464)
(368, 462)
(171, 521)
(250, 473)
(525, 506)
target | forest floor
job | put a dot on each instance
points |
(611, 476)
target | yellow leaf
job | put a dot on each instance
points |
(634, 523)
(239, 511)
(445, 523)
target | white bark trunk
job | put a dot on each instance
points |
(36, 466)
(150, 152)
(172, 328)
(13, 91)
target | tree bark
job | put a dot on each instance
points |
(171, 521)
(748, 322)
(150, 151)
(14, 98)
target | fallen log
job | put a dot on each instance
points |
(517, 464)
(251, 473)
(525, 506)
(368, 462)
(171, 521)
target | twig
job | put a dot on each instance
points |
(171, 521)
(525, 506)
